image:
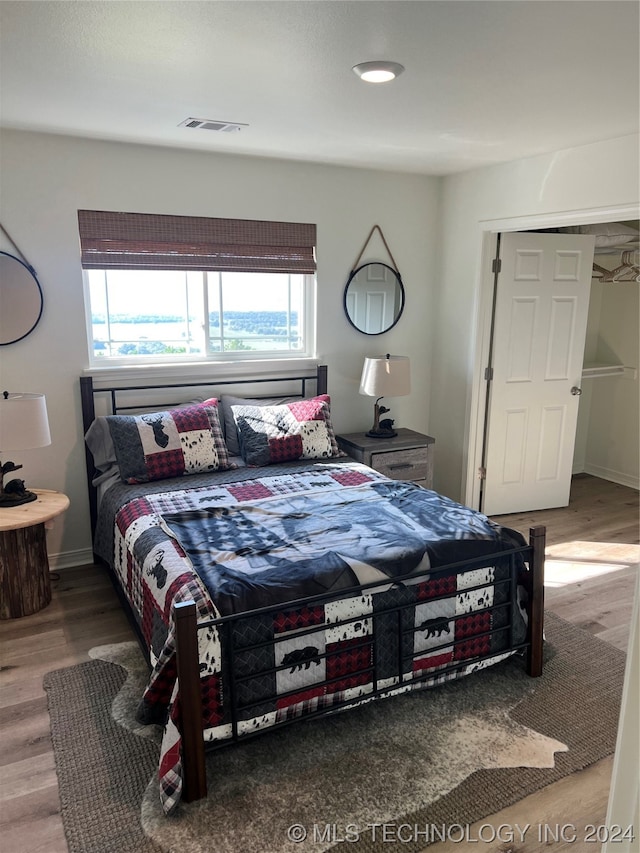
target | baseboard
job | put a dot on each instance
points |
(619, 477)
(69, 559)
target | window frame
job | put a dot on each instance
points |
(307, 322)
(148, 241)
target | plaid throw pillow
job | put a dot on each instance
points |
(174, 443)
(298, 430)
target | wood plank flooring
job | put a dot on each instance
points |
(591, 568)
(591, 556)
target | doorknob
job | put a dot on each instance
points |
(576, 391)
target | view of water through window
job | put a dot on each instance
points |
(141, 313)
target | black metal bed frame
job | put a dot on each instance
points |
(187, 626)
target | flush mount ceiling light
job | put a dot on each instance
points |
(378, 71)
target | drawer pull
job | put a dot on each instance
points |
(400, 465)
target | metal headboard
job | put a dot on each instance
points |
(114, 393)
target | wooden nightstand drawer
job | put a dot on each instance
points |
(402, 464)
(406, 456)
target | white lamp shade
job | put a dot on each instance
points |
(23, 422)
(386, 376)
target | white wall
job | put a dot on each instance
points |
(613, 446)
(561, 185)
(607, 441)
(624, 796)
(584, 408)
(46, 179)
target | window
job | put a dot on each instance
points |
(167, 289)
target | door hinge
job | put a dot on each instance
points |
(488, 373)
(482, 473)
(496, 266)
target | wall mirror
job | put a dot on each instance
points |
(20, 299)
(374, 298)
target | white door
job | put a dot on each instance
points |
(540, 322)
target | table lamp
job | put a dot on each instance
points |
(384, 376)
(23, 425)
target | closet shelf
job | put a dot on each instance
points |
(595, 370)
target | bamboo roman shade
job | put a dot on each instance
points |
(147, 241)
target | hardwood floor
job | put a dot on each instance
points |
(84, 612)
(591, 567)
(592, 558)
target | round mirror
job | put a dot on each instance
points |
(20, 299)
(374, 298)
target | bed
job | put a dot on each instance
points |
(270, 578)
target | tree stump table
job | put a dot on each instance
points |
(25, 585)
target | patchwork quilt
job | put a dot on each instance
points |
(255, 546)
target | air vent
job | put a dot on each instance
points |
(212, 124)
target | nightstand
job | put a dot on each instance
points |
(408, 456)
(25, 585)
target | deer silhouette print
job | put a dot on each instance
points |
(155, 422)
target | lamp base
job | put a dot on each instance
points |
(7, 500)
(382, 433)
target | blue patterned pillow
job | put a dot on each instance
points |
(174, 443)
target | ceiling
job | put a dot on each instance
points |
(485, 82)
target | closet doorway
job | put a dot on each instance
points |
(481, 404)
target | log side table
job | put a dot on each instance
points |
(25, 585)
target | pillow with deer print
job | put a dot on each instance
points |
(175, 443)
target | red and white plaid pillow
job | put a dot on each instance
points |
(296, 430)
(175, 443)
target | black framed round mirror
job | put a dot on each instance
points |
(374, 298)
(21, 299)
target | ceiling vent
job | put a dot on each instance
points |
(212, 124)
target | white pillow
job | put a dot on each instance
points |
(607, 234)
